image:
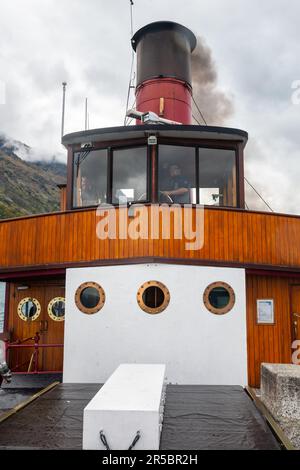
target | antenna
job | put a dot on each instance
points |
(64, 84)
(86, 115)
(131, 77)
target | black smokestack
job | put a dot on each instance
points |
(215, 106)
(164, 77)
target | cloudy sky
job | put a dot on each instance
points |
(255, 46)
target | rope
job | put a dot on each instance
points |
(258, 194)
(105, 443)
(103, 440)
(135, 440)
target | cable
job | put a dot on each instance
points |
(258, 194)
(132, 61)
(199, 110)
(196, 120)
(129, 86)
(128, 119)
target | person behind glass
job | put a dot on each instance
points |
(88, 196)
(178, 187)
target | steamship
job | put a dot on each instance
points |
(212, 308)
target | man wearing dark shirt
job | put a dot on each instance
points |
(178, 187)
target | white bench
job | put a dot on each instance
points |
(130, 402)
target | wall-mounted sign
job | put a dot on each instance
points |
(265, 311)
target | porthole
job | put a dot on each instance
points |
(29, 309)
(90, 297)
(56, 309)
(219, 298)
(153, 297)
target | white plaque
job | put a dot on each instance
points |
(265, 311)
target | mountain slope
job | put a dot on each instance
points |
(27, 187)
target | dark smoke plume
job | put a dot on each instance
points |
(215, 106)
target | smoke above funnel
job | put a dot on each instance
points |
(214, 104)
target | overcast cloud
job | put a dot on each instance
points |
(255, 46)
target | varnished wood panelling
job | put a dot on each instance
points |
(230, 236)
(268, 343)
(63, 197)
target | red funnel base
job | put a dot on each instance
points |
(169, 98)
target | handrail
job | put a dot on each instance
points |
(21, 341)
(35, 355)
(52, 345)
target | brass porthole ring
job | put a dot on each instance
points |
(153, 301)
(50, 309)
(29, 309)
(214, 299)
(219, 298)
(93, 305)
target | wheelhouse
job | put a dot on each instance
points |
(156, 164)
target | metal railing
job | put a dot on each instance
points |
(33, 363)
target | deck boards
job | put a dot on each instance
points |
(196, 417)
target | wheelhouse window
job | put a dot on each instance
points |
(217, 177)
(129, 175)
(90, 178)
(185, 175)
(177, 174)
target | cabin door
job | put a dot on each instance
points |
(37, 309)
(296, 312)
(53, 328)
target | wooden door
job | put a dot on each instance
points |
(24, 331)
(296, 313)
(53, 328)
(28, 316)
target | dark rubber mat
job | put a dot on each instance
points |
(196, 417)
(212, 418)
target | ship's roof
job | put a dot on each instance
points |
(176, 131)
